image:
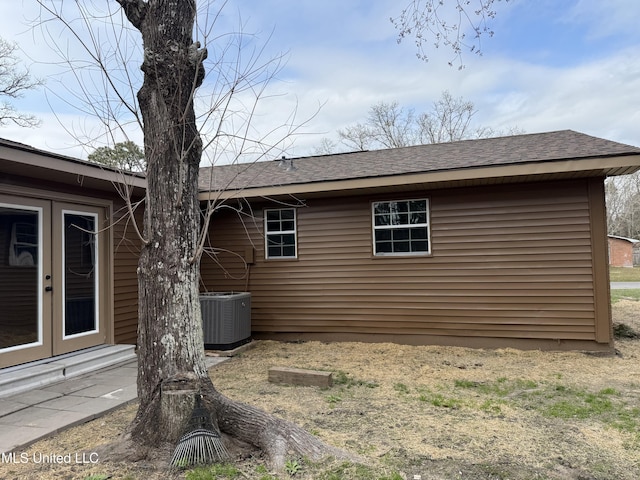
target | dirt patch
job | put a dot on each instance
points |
(626, 319)
(433, 412)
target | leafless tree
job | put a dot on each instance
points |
(325, 147)
(458, 25)
(179, 127)
(623, 205)
(389, 125)
(356, 137)
(392, 126)
(14, 82)
(448, 121)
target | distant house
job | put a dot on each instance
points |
(496, 242)
(623, 252)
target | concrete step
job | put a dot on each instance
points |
(28, 378)
(33, 375)
(84, 362)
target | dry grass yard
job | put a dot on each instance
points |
(420, 413)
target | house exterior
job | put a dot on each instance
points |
(485, 243)
(63, 287)
(623, 251)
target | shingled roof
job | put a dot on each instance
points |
(516, 150)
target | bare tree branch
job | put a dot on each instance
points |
(448, 121)
(458, 25)
(389, 125)
(14, 82)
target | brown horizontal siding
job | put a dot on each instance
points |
(125, 263)
(510, 261)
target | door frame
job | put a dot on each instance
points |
(61, 342)
(46, 200)
(43, 347)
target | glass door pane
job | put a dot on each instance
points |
(20, 273)
(79, 270)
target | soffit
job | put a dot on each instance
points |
(24, 161)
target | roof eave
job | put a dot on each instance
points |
(48, 166)
(534, 171)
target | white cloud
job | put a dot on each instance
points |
(68, 134)
(613, 17)
(600, 97)
(343, 55)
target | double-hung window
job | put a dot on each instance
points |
(401, 227)
(280, 233)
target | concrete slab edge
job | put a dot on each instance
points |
(90, 417)
(32, 377)
(29, 378)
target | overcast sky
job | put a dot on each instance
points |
(551, 65)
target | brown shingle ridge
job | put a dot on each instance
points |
(478, 153)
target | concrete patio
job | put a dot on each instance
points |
(40, 399)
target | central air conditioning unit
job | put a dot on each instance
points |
(226, 319)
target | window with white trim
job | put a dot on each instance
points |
(280, 233)
(401, 227)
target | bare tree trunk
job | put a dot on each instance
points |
(169, 337)
(170, 344)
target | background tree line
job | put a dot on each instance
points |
(390, 125)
